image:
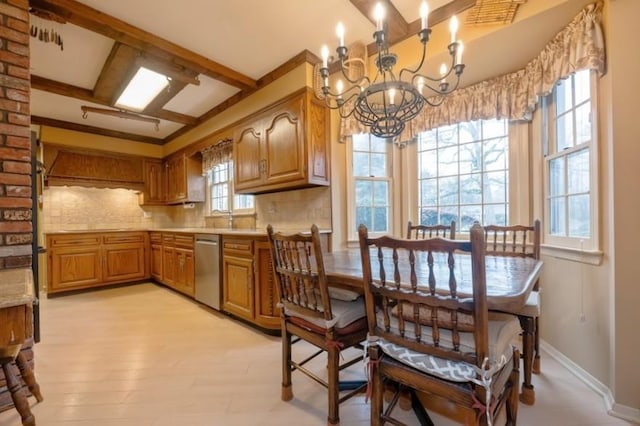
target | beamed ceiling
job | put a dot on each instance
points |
(217, 52)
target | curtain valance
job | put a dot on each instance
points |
(217, 153)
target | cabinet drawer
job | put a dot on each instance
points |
(74, 240)
(167, 239)
(183, 240)
(155, 237)
(241, 247)
(123, 238)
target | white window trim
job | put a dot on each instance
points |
(567, 247)
(352, 228)
(519, 175)
(231, 201)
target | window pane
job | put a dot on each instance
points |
(380, 222)
(447, 135)
(363, 216)
(495, 215)
(378, 144)
(578, 172)
(557, 216)
(495, 187)
(380, 193)
(583, 123)
(556, 176)
(470, 131)
(427, 140)
(470, 157)
(361, 142)
(363, 193)
(495, 151)
(468, 215)
(582, 86)
(470, 189)
(447, 214)
(563, 96)
(428, 217)
(428, 192)
(564, 132)
(448, 161)
(428, 163)
(579, 216)
(378, 165)
(360, 164)
(448, 190)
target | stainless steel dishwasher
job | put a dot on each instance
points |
(208, 280)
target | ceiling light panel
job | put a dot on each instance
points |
(142, 89)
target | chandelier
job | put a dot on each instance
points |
(387, 102)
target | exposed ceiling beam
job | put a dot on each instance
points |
(43, 121)
(397, 27)
(116, 29)
(41, 83)
(436, 16)
(115, 72)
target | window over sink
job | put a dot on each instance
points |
(220, 195)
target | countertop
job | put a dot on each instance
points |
(16, 287)
(217, 231)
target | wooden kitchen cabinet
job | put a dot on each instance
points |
(155, 183)
(155, 239)
(185, 183)
(84, 260)
(248, 290)
(283, 147)
(175, 258)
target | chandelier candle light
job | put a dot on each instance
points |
(387, 102)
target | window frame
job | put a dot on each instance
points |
(231, 195)
(580, 244)
(352, 228)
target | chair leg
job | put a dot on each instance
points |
(333, 383)
(17, 394)
(528, 395)
(287, 391)
(27, 375)
(536, 347)
(512, 401)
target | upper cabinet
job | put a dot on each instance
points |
(284, 147)
(185, 183)
(155, 183)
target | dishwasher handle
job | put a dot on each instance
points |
(207, 242)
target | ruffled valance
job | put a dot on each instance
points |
(220, 152)
(514, 96)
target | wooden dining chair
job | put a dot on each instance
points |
(522, 241)
(422, 335)
(415, 232)
(311, 311)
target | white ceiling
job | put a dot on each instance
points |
(252, 37)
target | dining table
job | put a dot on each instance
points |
(509, 281)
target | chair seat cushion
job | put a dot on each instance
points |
(502, 329)
(344, 313)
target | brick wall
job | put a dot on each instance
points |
(15, 143)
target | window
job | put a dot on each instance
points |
(463, 174)
(569, 163)
(370, 189)
(220, 182)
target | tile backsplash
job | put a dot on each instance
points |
(79, 208)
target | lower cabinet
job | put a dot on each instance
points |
(172, 260)
(80, 260)
(248, 290)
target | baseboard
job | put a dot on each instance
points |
(617, 410)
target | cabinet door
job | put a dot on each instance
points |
(176, 179)
(154, 182)
(156, 262)
(74, 267)
(185, 272)
(247, 156)
(284, 147)
(123, 262)
(266, 298)
(237, 291)
(169, 265)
